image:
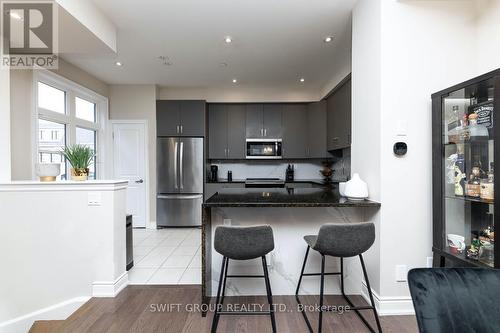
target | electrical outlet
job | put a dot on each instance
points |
(227, 221)
(401, 273)
(94, 199)
(429, 262)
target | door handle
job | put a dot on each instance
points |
(178, 131)
(140, 181)
(181, 157)
(265, 131)
(261, 132)
(181, 129)
(176, 150)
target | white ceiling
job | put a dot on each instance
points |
(275, 42)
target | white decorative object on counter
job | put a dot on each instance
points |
(356, 189)
(48, 171)
(342, 189)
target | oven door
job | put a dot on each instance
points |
(263, 149)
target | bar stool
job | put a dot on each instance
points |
(243, 243)
(340, 240)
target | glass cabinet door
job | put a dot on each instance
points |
(468, 175)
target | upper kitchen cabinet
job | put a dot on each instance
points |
(264, 121)
(236, 143)
(316, 130)
(295, 131)
(339, 117)
(180, 118)
(254, 121)
(273, 122)
(226, 131)
(217, 131)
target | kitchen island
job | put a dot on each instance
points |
(292, 213)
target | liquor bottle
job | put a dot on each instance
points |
(476, 131)
(473, 187)
(488, 185)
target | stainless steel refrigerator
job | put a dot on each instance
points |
(179, 182)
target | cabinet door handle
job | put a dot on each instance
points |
(178, 129)
(336, 138)
(261, 132)
(181, 129)
(265, 131)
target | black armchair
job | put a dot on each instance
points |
(462, 300)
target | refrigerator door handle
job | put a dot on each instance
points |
(175, 164)
(181, 158)
(179, 197)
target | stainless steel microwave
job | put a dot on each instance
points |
(264, 149)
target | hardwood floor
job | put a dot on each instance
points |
(132, 311)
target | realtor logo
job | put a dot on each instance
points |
(29, 34)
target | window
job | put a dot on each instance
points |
(49, 151)
(88, 138)
(67, 114)
(85, 109)
(51, 98)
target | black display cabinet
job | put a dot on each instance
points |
(465, 161)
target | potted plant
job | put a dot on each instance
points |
(80, 157)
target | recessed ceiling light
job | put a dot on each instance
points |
(119, 64)
(235, 81)
(228, 40)
(302, 79)
(328, 39)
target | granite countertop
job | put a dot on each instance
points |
(280, 197)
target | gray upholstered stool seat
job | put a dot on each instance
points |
(311, 240)
(243, 243)
(340, 240)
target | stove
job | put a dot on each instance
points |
(264, 183)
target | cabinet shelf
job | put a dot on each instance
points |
(488, 202)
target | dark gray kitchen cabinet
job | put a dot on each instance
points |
(295, 131)
(236, 127)
(254, 114)
(264, 121)
(180, 118)
(192, 118)
(316, 130)
(167, 118)
(273, 121)
(339, 117)
(217, 133)
(226, 137)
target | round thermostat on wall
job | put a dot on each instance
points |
(400, 148)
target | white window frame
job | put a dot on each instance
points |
(72, 90)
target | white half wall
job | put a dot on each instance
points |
(5, 173)
(60, 251)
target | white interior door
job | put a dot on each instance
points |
(129, 150)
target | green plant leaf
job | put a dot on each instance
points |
(79, 156)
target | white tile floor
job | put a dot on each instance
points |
(166, 256)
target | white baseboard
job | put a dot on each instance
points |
(151, 225)
(110, 288)
(389, 306)
(59, 311)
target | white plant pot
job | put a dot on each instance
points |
(356, 188)
(47, 172)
